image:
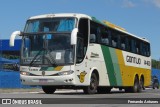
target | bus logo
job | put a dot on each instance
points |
(43, 73)
(82, 76)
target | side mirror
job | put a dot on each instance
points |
(74, 36)
(13, 35)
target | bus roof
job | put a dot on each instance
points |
(118, 28)
(78, 15)
(61, 15)
(123, 31)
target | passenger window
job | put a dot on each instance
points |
(123, 42)
(133, 47)
(148, 50)
(94, 33)
(114, 39)
(99, 31)
(105, 37)
(141, 48)
(145, 49)
(137, 47)
(129, 44)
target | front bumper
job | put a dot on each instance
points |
(48, 80)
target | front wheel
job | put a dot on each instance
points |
(92, 88)
(48, 89)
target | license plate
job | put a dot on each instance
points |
(43, 80)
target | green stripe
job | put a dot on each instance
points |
(109, 65)
(116, 66)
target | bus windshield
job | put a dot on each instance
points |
(47, 42)
(50, 25)
(50, 49)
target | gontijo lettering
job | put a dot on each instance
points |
(132, 59)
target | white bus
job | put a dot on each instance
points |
(71, 50)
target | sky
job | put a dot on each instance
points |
(139, 17)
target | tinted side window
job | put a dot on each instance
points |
(105, 36)
(145, 49)
(123, 41)
(129, 44)
(148, 49)
(137, 46)
(133, 45)
(95, 32)
(114, 39)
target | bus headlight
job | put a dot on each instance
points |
(66, 72)
(24, 73)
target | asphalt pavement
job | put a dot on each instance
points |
(72, 98)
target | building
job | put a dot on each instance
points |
(9, 55)
(10, 52)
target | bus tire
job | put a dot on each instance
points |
(92, 88)
(141, 85)
(103, 90)
(48, 89)
(136, 86)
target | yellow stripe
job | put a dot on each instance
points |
(58, 68)
(128, 72)
(113, 25)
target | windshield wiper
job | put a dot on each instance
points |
(53, 64)
(52, 59)
(33, 60)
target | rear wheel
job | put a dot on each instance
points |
(135, 88)
(92, 88)
(48, 89)
(141, 85)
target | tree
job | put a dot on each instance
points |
(155, 64)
